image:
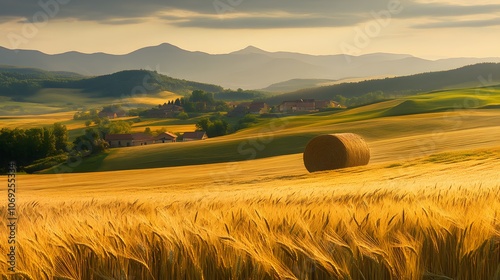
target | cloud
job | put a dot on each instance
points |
(252, 14)
(460, 24)
(441, 10)
(266, 22)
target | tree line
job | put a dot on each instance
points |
(25, 146)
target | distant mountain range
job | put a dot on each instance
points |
(249, 68)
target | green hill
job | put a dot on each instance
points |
(296, 84)
(22, 82)
(34, 73)
(35, 91)
(18, 82)
(132, 82)
(472, 76)
(289, 135)
(447, 100)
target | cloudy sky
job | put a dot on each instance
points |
(425, 28)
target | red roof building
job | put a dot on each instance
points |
(128, 140)
(166, 137)
(194, 136)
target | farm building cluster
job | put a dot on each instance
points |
(141, 139)
(237, 109)
(306, 105)
(302, 105)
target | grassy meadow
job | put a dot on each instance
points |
(243, 206)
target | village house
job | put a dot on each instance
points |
(302, 105)
(242, 109)
(258, 108)
(194, 136)
(112, 112)
(166, 137)
(306, 105)
(128, 140)
(322, 104)
(109, 115)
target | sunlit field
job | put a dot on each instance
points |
(431, 218)
(30, 121)
(155, 100)
(171, 128)
(243, 206)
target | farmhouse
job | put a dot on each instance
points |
(302, 105)
(109, 115)
(112, 112)
(239, 110)
(256, 108)
(194, 136)
(127, 140)
(166, 137)
(306, 105)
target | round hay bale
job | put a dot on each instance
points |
(335, 151)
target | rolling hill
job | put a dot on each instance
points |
(35, 73)
(296, 84)
(137, 82)
(34, 91)
(413, 120)
(478, 75)
(250, 68)
(22, 82)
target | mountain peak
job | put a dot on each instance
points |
(250, 50)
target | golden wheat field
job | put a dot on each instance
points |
(29, 121)
(435, 217)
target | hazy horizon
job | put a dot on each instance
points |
(427, 29)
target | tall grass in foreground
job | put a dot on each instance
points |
(316, 233)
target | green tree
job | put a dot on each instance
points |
(218, 128)
(61, 137)
(113, 127)
(340, 99)
(159, 131)
(203, 124)
(49, 142)
(213, 128)
(183, 116)
(90, 143)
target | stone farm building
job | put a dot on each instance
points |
(166, 137)
(306, 105)
(256, 108)
(128, 140)
(194, 136)
(112, 113)
(302, 105)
